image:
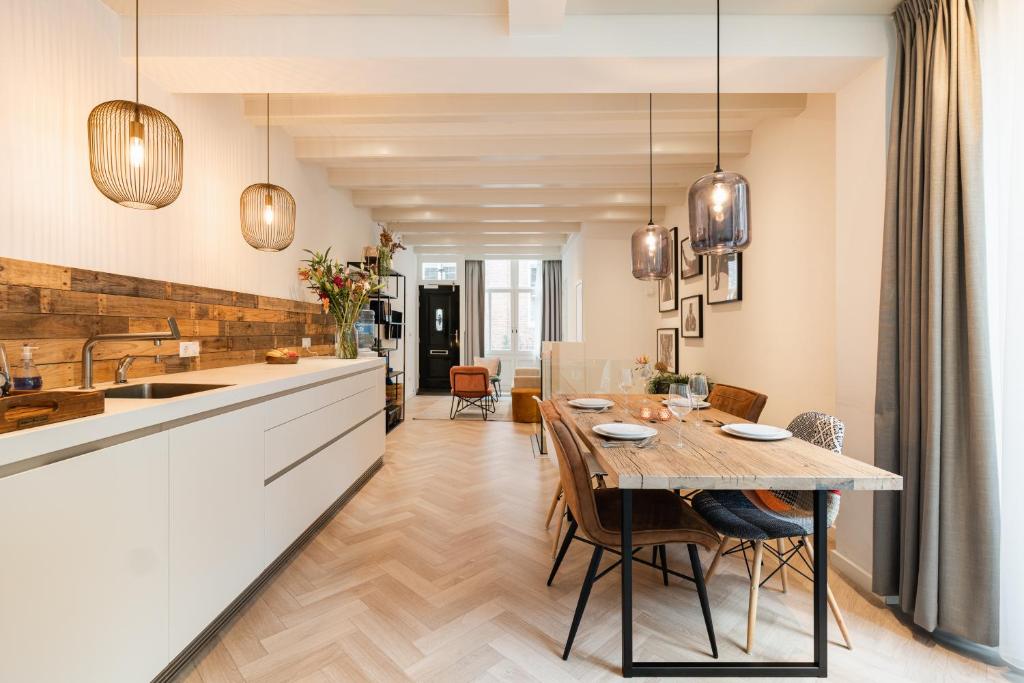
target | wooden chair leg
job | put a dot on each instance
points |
(833, 605)
(554, 504)
(558, 531)
(718, 556)
(755, 582)
(782, 565)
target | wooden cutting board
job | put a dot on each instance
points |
(32, 409)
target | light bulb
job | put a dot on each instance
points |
(268, 212)
(719, 196)
(136, 147)
(652, 241)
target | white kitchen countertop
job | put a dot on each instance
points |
(123, 415)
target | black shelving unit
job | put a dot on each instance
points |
(390, 343)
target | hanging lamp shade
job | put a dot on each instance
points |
(650, 245)
(135, 151)
(651, 249)
(267, 210)
(135, 154)
(719, 201)
(719, 213)
(268, 217)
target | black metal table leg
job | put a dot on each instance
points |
(626, 530)
(816, 668)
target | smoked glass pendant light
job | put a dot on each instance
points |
(268, 211)
(135, 151)
(719, 201)
(650, 244)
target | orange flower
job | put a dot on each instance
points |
(304, 274)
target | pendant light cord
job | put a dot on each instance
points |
(268, 138)
(136, 55)
(718, 86)
(650, 156)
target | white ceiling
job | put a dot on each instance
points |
(497, 7)
(499, 170)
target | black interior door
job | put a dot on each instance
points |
(439, 335)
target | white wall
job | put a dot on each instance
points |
(61, 62)
(860, 206)
(780, 339)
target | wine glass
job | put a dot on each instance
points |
(679, 404)
(626, 385)
(698, 390)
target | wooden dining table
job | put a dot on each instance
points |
(711, 459)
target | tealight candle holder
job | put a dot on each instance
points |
(645, 413)
(664, 414)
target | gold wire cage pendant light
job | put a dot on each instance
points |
(135, 151)
(267, 210)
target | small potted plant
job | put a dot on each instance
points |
(343, 292)
(388, 244)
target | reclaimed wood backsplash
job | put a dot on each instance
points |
(56, 308)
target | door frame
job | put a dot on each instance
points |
(454, 346)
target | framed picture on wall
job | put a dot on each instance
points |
(690, 264)
(691, 314)
(667, 288)
(725, 278)
(668, 348)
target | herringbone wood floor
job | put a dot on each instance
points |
(436, 571)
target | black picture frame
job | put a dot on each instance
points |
(685, 310)
(668, 300)
(719, 265)
(689, 273)
(669, 335)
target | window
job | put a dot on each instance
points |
(438, 271)
(512, 316)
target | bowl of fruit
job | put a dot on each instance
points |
(282, 357)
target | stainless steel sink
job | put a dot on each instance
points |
(158, 390)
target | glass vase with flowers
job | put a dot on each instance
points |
(388, 244)
(343, 291)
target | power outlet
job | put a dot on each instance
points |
(188, 349)
(307, 343)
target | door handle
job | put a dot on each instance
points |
(456, 337)
(438, 352)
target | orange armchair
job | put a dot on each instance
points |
(471, 387)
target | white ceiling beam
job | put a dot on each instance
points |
(475, 54)
(512, 148)
(289, 109)
(517, 197)
(493, 228)
(514, 177)
(535, 17)
(506, 240)
(458, 214)
(441, 252)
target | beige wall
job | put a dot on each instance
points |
(63, 61)
(860, 205)
(780, 339)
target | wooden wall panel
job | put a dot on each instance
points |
(57, 308)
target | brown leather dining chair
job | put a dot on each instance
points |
(737, 401)
(659, 517)
(471, 387)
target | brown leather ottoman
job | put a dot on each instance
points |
(524, 408)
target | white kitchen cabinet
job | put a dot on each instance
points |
(216, 517)
(83, 567)
(296, 499)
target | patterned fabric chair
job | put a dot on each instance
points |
(753, 517)
(737, 401)
(471, 387)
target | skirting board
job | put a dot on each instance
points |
(200, 641)
(851, 571)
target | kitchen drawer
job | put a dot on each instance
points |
(287, 408)
(293, 440)
(295, 500)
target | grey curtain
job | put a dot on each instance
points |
(937, 542)
(551, 309)
(473, 334)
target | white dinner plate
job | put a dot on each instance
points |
(698, 404)
(757, 432)
(626, 431)
(591, 403)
